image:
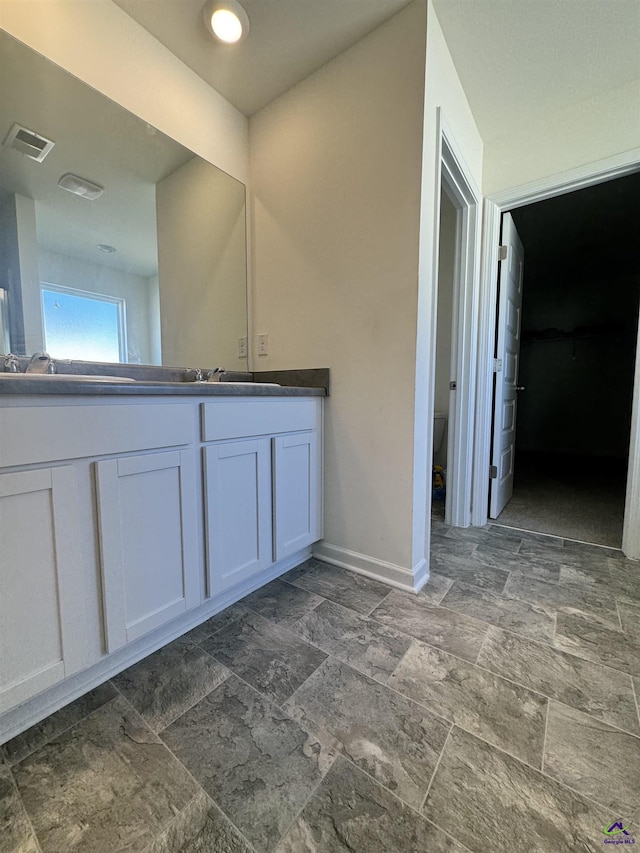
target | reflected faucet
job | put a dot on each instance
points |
(41, 362)
(11, 363)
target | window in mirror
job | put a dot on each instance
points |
(83, 326)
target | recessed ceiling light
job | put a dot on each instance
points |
(104, 247)
(226, 20)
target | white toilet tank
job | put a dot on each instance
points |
(439, 423)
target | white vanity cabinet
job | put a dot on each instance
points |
(41, 616)
(127, 521)
(263, 498)
(94, 551)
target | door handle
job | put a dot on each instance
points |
(520, 387)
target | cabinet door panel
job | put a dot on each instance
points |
(238, 511)
(40, 616)
(148, 542)
(297, 508)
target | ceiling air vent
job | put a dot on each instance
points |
(28, 142)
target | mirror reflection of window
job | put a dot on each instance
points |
(83, 326)
(5, 343)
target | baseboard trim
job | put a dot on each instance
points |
(23, 716)
(379, 570)
(420, 574)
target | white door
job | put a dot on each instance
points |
(41, 613)
(507, 364)
(238, 511)
(297, 507)
(148, 533)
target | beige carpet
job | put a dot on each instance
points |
(575, 498)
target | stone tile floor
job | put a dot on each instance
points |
(497, 710)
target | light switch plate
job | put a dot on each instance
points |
(263, 344)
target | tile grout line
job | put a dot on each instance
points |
(35, 835)
(308, 799)
(193, 704)
(176, 818)
(416, 811)
(636, 698)
(559, 701)
(378, 604)
(57, 734)
(186, 769)
(435, 770)
(561, 651)
(209, 636)
(544, 741)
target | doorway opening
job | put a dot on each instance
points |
(579, 328)
(577, 343)
(456, 259)
(445, 354)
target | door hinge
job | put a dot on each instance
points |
(502, 253)
(497, 365)
(493, 472)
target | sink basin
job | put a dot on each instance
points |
(66, 377)
(253, 384)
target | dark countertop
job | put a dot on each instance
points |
(13, 384)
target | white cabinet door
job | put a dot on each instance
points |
(148, 541)
(238, 511)
(297, 487)
(41, 610)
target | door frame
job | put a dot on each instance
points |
(454, 179)
(494, 207)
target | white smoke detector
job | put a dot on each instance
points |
(28, 142)
(80, 186)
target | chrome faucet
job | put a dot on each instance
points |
(196, 374)
(41, 362)
(216, 374)
(11, 363)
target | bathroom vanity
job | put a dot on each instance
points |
(131, 512)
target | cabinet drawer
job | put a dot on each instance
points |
(230, 419)
(53, 433)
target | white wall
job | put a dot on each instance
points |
(202, 267)
(444, 93)
(29, 274)
(102, 46)
(590, 131)
(335, 173)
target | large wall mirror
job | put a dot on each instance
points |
(151, 270)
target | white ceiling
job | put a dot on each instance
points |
(517, 59)
(521, 59)
(288, 41)
(96, 139)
